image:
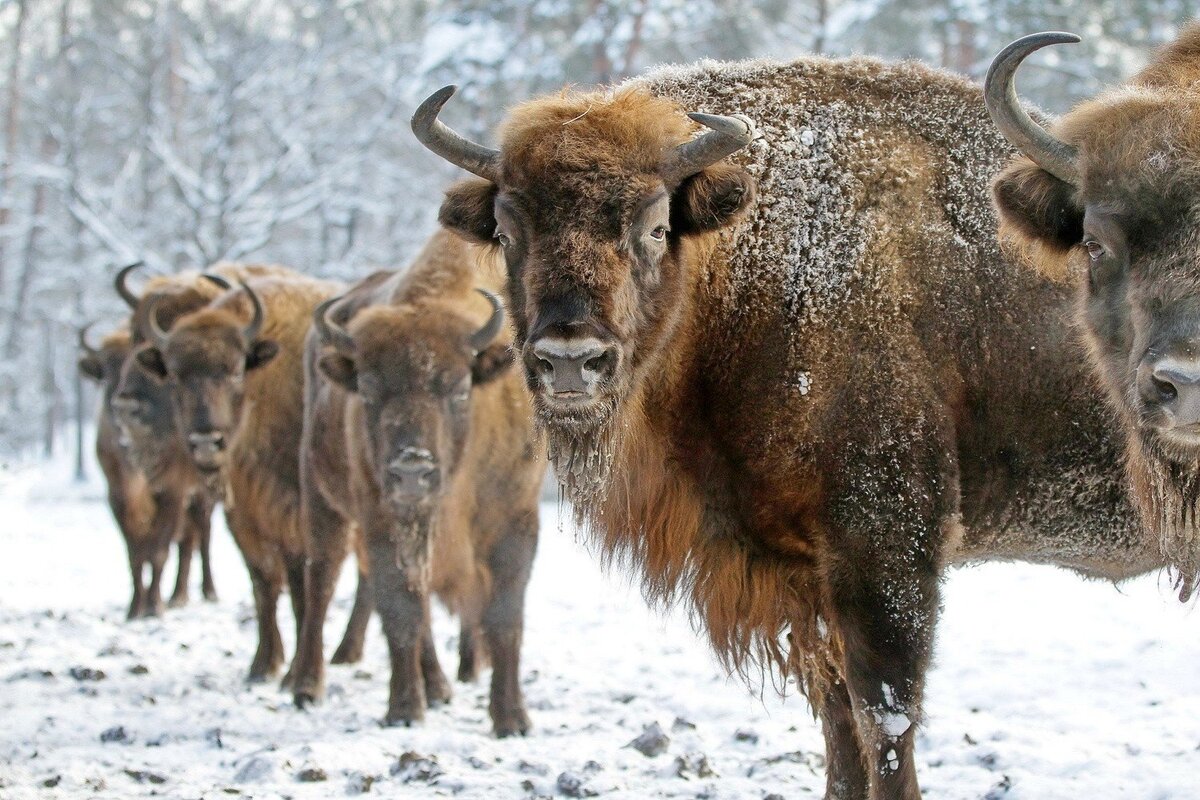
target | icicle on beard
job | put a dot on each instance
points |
(1167, 494)
(413, 541)
(582, 461)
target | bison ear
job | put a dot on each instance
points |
(261, 352)
(339, 369)
(490, 363)
(468, 210)
(91, 367)
(1036, 205)
(711, 199)
(151, 359)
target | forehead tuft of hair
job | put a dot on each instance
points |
(430, 327)
(627, 130)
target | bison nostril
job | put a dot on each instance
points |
(1166, 390)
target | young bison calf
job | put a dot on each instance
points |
(419, 435)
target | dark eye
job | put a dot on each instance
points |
(503, 238)
(1095, 250)
(659, 233)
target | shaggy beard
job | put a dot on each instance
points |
(582, 449)
(1168, 496)
(412, 535)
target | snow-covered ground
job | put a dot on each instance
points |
(1045, 687)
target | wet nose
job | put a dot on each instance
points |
(414, 471)
(572, 367)
(1171, 384)
(206, 445)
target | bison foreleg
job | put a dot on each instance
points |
(326, 536)
(350, 650)
(845, 768)
(199, 531)
(164, 528)
(403, 612)
(137, 562)
(268, 658)
(437, 688)
(184, 549)
(510, 562)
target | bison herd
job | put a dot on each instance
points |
(789, 369)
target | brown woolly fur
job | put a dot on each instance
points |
(799, 384)
(419, 444)
(156, 498)
(240, 402)
(1138, 295)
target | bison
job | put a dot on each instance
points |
(792, 388)
(418, 438)
(1107, 200)
(234, 368)
(147, 524)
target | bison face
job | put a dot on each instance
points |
(415, 370)
(598, 203)
(1113, 195)
(204, 359)
(144, 413)
(103, 364)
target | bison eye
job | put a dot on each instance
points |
(659, 233)
(503, 238)
(1095, 250)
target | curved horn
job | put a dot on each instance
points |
(83, 342)
(431, 132)
(1055, 156)
(156, 335)
(217, 280)
(123, 290)
(330, 332)
(254, 328)
(483, 337)
(727, 136)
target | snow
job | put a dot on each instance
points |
(1044, 686)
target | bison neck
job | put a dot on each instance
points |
(656, 490)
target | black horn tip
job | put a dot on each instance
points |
(216, 280)
(427, 112)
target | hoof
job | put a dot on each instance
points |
(177, 602)
(404, 718)
(515, 723)
(210, 596)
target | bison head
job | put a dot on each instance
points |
(414, 369)
(1113, 195)
(204, 358)
(103, 364)
(597, 202)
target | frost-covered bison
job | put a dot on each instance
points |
(418, 437)
(793, 387)
(1111, 199)
(234, 367)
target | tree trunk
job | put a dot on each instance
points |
(12, 120)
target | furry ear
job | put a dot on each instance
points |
(91, 367)
(151, 359)
(467, 210)
(260, 353)
(491, 363)
(339, 369)
(1036, 205)
(711, 199)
